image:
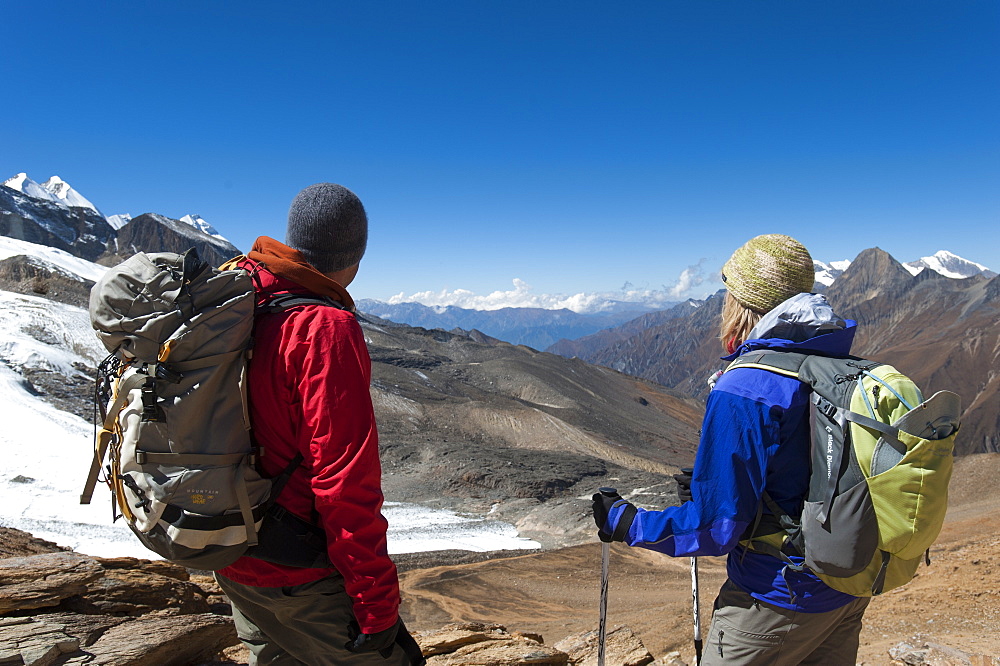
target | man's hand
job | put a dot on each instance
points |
(602, 503)
(381, 641)
(684, 484)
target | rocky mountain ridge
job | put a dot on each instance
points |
(151, 232)
(56, 215)
(82, 232)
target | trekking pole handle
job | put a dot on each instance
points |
(602, 627)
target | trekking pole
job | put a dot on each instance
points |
(605, 557)
(697, 611)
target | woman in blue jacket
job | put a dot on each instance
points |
(755, 437)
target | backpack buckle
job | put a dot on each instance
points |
(151, 412)
(166, 374)
(825, 407)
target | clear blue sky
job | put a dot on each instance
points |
(573, 145)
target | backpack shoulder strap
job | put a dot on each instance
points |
(233, 263)
(780, 362)
(283, 302)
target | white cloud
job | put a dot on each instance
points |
(522, 296)
(691, 277)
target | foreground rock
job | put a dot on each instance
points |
(932, 654)
(40, 581)
(621, 646)
(482, 644)
(67, 608)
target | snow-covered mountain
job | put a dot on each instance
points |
(58, 191)
(21, 183)
(948, 265)
(55, 189)
(199, 223)
(944, 262)
(118, 221)
(52, 259)
(55, 214)
(49, 221)
(65, 193)
(827, 273)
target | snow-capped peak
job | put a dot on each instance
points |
(949, 265)
(118, 221)
(199, 223)
(55, 189)
(65, 192)
(827, 273)
(21, 183)
(943, 262)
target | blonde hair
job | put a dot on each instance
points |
(737, 321)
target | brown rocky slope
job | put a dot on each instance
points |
(473, 424)
(954, 602)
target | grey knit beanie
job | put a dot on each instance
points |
(328, 225)
(768, 270)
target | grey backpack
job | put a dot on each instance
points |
(878, 485)
(174, 425)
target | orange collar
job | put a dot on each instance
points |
(289, 263)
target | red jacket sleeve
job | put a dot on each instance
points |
(328, 363)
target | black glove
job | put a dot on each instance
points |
(684, 484)
(381, 641)
(602, 502)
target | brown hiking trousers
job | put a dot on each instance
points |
(747, 632)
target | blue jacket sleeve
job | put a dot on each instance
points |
(739, 435)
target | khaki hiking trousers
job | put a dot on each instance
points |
(299, 625)
(747, 632)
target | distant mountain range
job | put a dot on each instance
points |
(553, 330)
(942, 262)
(941, 331)
(535, 327)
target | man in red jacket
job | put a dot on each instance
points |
(308, 391)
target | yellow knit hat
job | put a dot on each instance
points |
(768, 270)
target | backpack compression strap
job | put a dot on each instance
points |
(106, 433)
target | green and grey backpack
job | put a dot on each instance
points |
(174, 424)
(878, 486)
